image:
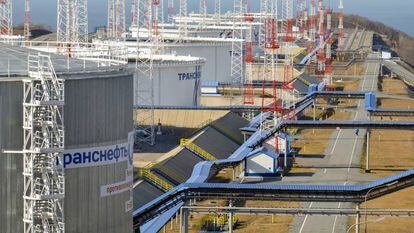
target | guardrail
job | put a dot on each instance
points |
(197, 150)
(154, 179)
(104, 55)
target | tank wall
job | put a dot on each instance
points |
(174, 85)
(11, 165)
(98, 113)
(218, 60)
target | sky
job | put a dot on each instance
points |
(395, 13)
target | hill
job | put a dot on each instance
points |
(400, 42)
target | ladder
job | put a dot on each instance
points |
(43, 126)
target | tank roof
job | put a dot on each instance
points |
(14, 62)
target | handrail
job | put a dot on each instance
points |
(196, 149)
(170, 174)
(154, 179)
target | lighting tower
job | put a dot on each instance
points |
(328, 62)
(248, 97)
(144, 80)
(321, 52)
(182, 27)
(312, 27)
(271, 46)
(341, 26)
(134, 12)
(6, 17)
(288, 40)
(171, 10)
(27, 20)
(72, 21)
(203, 8)
(264, 8)
(302, 13)
(237, 44)
(217, 8)
(116, 18)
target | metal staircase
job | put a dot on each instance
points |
(44, 180)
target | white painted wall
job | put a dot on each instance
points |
(169, 90)
(260, 163)
(217, 55)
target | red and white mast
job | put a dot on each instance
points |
(248, 95)
(6, 17)
(341, 40)
(27, 20)
(321, 33)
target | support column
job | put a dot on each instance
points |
(357, 219)
(314, 114)
(184, 220)
(367, 170)
(230, 219)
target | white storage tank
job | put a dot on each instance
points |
(176, 80)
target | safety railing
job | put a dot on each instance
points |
(104, 55)
(169, 173)
(196, 149)
(154, 179)
(304, 81)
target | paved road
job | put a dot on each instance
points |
(402, 72)
(342, 158)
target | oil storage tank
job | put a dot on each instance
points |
(176, 79)
(215, 51)
(98, 121)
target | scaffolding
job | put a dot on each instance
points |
(43, 126)
(6, 18)
(72, 21)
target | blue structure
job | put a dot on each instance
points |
(370, 101)
(152, 216)
(312, 88)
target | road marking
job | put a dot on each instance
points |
(336, 141)
(336, 216)
(355, 142)
(304, 220)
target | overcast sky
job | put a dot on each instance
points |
(396, 13)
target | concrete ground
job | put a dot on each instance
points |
(339, 165)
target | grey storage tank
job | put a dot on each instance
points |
(98, 121)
